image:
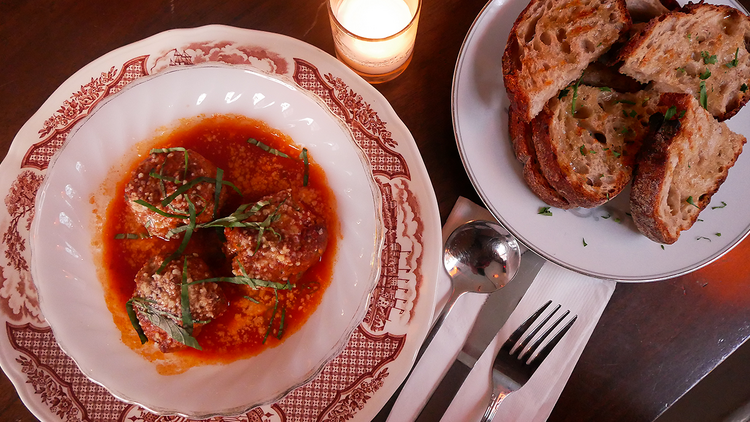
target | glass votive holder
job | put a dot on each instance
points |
(375, 38)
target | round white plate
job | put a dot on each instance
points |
(65, 269)
(601, 242)
(362, 375)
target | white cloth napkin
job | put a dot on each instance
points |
(583, 296)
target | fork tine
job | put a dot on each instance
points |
(516, 335)
(537, 360)
(534, 332)
(524, 354)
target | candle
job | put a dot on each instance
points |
(375, 37)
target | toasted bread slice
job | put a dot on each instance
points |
(551, 42)
(645, 10)
(588, 155)
(699, 50)
(523, 148)
(682, 163)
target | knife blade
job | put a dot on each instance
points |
(493, 314)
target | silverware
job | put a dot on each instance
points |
(516, 361)
(495, 311)
(480, 257)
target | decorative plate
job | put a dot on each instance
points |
(378, 355)
(600, 242)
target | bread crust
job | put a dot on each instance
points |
(676, 51)
(670, 188)
(551, 43)
(523, 148)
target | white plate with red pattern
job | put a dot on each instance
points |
(376, 352)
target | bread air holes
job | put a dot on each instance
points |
(674, 202)
(546, 38)
(731, 23)
(583, 112)
(588, 46)
(530, 30)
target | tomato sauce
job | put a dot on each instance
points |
(247, 327)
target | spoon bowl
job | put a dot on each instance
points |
(482, 256)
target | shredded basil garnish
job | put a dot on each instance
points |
(187, 319)
(723, 204)
(266, 148)
(545, 211)
(273, 315)
(132, 236)
(703, 97)
(705, 75)
(690, 201)
(134, 321)
(303, 157)
(164, 321)
(189, 229)
(246, 281)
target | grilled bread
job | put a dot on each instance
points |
(586, 141)
(699, 50)
(551, 42)
(683, 161)
(523, 148)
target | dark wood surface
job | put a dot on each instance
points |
(654, 341)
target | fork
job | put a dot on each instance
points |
(516, 361)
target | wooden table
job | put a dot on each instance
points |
(654, 340)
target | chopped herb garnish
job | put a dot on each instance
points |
(545, 211)
(743, 87)
(625, 102)
(708, 59)
(606, 217)
(717, 234)
(582, 149)
(723, 204)
(281, 324)
(671, 111)
(703, 98)
(734, 62)
(266, 148)
(682, 114)
(705, 75)
(605, 89)
(681, 70)
(575, 95)
(690, 201)
(662, 247)
(562, 94)
(616, 154)
(633, 113)
(584, 243)
(702, 238)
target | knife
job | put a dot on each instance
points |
(490, 319)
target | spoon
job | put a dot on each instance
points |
(480, 257)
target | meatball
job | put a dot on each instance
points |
(294, 241)
(159, 176)
(163, 292)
